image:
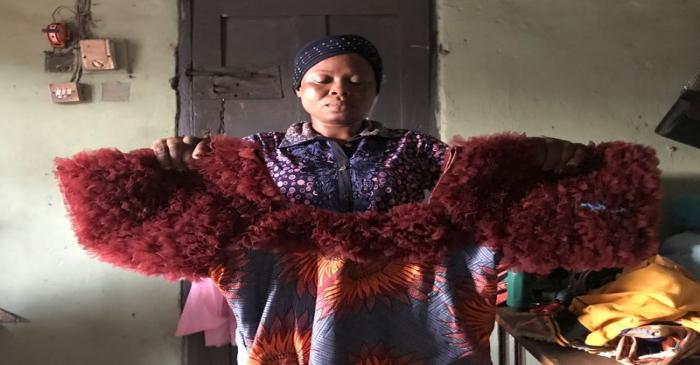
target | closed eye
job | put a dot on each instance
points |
(358, 80)
(320, 79)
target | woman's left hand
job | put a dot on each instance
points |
(558, 155)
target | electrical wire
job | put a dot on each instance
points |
(84, 23)
(58, 9)
(83, 18)
(82, 26)
(77, 68)
(71, 45)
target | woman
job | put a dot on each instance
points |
(320, 310)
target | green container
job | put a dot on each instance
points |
(518, 291)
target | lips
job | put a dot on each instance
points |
(338, 106)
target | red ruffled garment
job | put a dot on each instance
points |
(131, 213)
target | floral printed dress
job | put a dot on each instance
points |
(308, 286)
(308, 309)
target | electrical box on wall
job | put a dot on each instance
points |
(58, 34)
(97, 55)
(59, 61)
(67, 92)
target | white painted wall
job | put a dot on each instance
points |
(581, 70)
(593, 70)
(82, 311)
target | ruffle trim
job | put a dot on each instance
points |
(131, 213)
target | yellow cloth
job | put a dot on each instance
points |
(655, 290)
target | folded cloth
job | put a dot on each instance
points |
(653, 291)
(206, 310)
(560, 328)
(658, 344)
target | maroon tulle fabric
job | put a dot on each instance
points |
(129, 212)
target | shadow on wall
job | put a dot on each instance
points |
(675, 187)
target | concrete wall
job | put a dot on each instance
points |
(581, 70)
(592, 70)
(82, 311)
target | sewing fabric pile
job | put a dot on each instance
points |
(650, 314)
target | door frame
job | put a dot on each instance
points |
(193, 350)
(184, 119)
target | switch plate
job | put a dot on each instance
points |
(58, 62)
(97, 55)
(67, 92)
(115, 91)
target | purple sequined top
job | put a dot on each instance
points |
(375, 170)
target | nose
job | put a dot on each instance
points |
(340, 88)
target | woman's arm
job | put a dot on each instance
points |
(600, 210)
(129, 211)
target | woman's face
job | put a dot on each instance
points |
(338, 90)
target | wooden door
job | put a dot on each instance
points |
(235, 60)
(235, 65)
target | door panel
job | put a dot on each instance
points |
(268, 44)
(231, 39)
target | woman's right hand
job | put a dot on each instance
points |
(178, 153)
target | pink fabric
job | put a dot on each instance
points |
(206, 310)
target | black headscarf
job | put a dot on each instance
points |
(326, 47)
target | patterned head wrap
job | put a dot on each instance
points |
(320, 49)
